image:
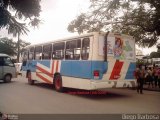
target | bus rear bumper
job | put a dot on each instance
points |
(90, 84)
(112, 84)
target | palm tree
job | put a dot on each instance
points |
(13, 12)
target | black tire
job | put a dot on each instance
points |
(58, 83)
(7, 78)
(30, 81)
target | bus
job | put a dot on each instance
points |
(91, 61)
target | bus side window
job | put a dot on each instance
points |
(58, 50)
(73, 50)
(31, 53)
(38, 52)
(77, 50)
(85, 49)
(47, 51)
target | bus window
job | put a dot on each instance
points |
(58, 50)
(31, 53)
(85, 49)
(73, 50)
(77, 50)
(69, 51)
(38, 52)
(47, 50)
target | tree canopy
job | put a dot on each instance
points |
(14, 14)
(156, 54)
(8, 46)
(139, 18)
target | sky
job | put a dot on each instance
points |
(55, 16)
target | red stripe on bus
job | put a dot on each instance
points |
(52, 67)
(57, 66)
(43, 78)
(116, 70)
(44, 71)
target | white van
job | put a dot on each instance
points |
(7, 68)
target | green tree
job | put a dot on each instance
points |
(14, 14)
(8, 46)
(156, 54)
(139, 18)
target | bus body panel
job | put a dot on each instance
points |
(77, 69)
(79, 76)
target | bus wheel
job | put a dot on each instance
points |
(7, 78)
(30, 81)
(58, 83)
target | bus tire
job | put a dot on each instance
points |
(7, 78)
(30, 81)
(58, 83)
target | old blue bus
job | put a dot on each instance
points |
(91, 61)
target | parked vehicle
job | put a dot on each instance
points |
(7, 68)
(91, 61)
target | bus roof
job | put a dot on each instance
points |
(76, 37)
(64, 39)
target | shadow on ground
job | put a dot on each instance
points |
(1, 82)
(89, 94)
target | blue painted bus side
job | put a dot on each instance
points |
(80, 69)
(130, 71)
(83, 69)
(72, 68)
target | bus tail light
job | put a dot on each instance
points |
(96, 74)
